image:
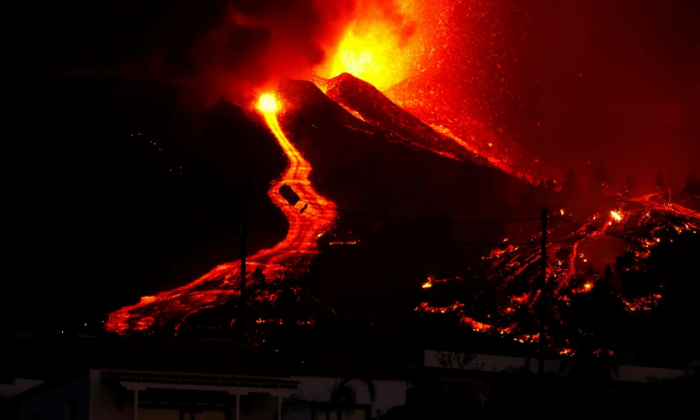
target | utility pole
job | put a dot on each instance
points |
(246, 194)
(542, 285)
(478, 156)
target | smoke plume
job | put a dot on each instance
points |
(237, 48)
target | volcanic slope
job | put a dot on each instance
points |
(370, 171)
(401, 207)
(367, 103)
(382, 166)
(453, 134)
(431, 99)
(378, 178)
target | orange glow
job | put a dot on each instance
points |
(476, 325)
(519, 300)
(645, 303)
(344, 242)
(366, 53)
(617, 216)
(425, 307)
(527, 338)
(380, 46)
(222, 283)
(267, 103)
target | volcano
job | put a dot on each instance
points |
(375, 160)
(372, 192)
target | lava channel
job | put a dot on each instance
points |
(221, 284)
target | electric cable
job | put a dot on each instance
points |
(423, 221)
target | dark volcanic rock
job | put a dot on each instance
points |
(377, 183)
(377, 109)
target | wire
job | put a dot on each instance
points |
(424, 221)
(422, 240)
(446, 222)
(567, 220)
(613, 234)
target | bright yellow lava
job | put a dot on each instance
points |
(378, 49)
(617, 216)
(268, 103)
(370, 55)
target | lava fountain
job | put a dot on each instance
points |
(381, 45)
(221, 284)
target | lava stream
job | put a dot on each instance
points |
(221, 284)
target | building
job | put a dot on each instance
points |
(200, 380)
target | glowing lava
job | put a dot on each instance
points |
(267, 104)
(383, 45)
(367, 55)
(221, 284)
(616, 215)
(646, 222)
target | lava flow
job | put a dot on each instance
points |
(514, 269)
(221, 284)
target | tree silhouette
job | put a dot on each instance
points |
(630, 186)
(599, 180)
(692, 185)
(659, 182)
(571, 187)
(661, 188)
(341, 399)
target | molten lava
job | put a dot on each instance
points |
(221, 284)
(646, 222)
(267, 104)
(380, 46)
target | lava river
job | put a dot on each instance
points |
(221, 284)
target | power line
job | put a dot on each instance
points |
(448, 222)
(422, 240)
(613, 234)
(423, 221)
(459, 243)
(568, 221)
